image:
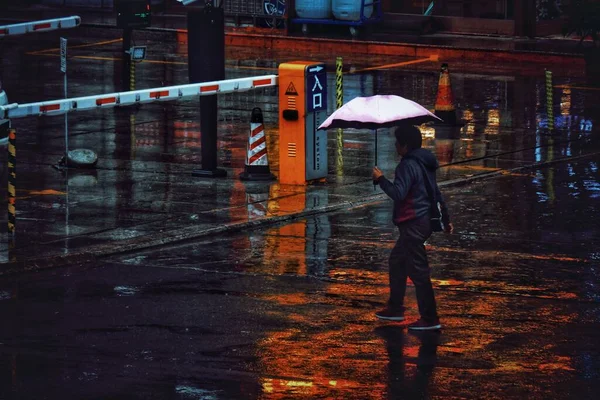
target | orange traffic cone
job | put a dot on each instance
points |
(444, 103)
(257, 164)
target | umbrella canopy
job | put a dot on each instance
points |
(380, 111)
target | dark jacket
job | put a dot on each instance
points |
(408, 190)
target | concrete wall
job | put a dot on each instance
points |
(411, 22)
(453, 8)
(80, 3)
(92, 3)
(486, 26)
(547, 28)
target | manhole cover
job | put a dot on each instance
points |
(83, 158)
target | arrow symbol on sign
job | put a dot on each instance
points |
(317, 69)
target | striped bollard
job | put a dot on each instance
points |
(132, 75)
(339, 83)
(549, 101)
(257, 163)
(339, 101)
(12, 181)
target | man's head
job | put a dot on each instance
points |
(408, 138)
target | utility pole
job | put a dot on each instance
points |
(206, 54)
(130, 14)
(525, 18)
(126, 57)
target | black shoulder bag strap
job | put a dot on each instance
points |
(435, 211)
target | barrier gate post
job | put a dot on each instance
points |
(206, 56)
(302, 108)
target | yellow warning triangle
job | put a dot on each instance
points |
(291, 90)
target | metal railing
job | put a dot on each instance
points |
(267, 13)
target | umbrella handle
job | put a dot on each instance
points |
(376, 162)
(375, 182)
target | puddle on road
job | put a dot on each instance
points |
(126, 290)
(196, 393)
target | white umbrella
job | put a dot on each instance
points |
(380, 111)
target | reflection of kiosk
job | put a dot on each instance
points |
(303, 107)
(318, 232)
(299, 247)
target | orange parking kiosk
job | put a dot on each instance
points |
(302, 108)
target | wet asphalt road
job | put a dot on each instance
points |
(288, 311)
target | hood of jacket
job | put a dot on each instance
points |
(424, 156)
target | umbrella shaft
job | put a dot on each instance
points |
(376, 146)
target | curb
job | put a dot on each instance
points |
(171, 238)
(98, 252)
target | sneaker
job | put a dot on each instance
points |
(389, 314)
(424, 325)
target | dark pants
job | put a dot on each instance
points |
(409, 259)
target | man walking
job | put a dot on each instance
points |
(412, 207)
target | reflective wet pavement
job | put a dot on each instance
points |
(287, 310)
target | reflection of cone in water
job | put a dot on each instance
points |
(444, 103)
(444, 150)
(257, 204)
(446, 132)
(257, 164)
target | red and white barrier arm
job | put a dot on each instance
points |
(57, 107)
(40, 26)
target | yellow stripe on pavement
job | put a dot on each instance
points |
(45, 192)
(432, 58)
(576, 87)
(79, 46)
(494, 254)
(117, 59)
(470, 167)
(98, 58)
